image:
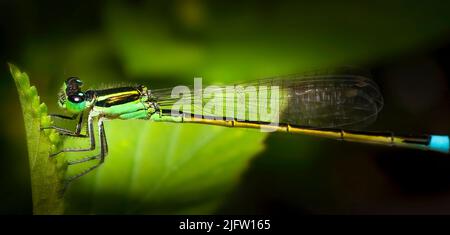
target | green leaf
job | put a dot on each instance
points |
(47, 174)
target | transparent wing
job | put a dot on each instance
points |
(315, 100)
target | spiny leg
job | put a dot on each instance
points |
(64, 116)
(91, 140)
(105, 142)
(100, 156)
(79, 124)
(140, 114)
(103, 145)
(64, 131)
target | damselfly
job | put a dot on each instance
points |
(324, 105)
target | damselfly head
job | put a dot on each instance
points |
(71, 97)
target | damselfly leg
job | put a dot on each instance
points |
(65, 131)
(90, 134)
(100, 157)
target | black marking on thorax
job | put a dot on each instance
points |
(117, 96)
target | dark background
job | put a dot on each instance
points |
(405, 44)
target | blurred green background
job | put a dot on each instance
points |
(166, 43)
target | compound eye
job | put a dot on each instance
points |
(78, 98)
(79, 82)
(74, 80)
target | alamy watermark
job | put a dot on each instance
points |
(238, 102)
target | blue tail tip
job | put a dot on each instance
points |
(440, 143)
